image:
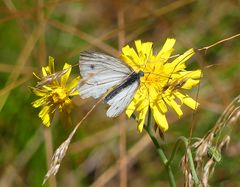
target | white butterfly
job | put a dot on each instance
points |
(101, 73)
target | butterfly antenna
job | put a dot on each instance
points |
(173, 56)
(177, 65)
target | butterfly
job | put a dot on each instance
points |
(104, 74)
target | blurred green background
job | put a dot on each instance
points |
(30, 31)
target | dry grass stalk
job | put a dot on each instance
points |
(57, 158)
(188, 179)
(208, 149)
(208, 169)
(122, 118)
(62, 149)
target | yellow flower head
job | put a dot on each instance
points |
(162, 81)
(55, 94)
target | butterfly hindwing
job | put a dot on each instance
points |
(122, 99)
(100, 72)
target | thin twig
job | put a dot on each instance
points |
(122, 117)
(218, 42)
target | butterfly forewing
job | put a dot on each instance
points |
(100, 72)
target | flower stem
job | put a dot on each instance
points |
(159, 149)
(189, 156)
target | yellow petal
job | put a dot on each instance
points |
(48, 70)
(179, 63)
(162, 106)
(67, 107)
(130, 109)
(65, 76)
(147, 48)
(35, 75)
(190, 83)
(133, 55)
(187, 100)
(38, 92)
(125, 50)
(142, 90)
(39, 102)
(51, 65)
(166, 50)
(160, 119)
(180, 96)
(153, 93)
(44, 114)
(44, 71)
(190, 102)
(130, 57)
(196, 74)
(144, 51)
(141, 119)
(143, 103)
(48, 88)
(73, 84)
(175, 107)
(138, 44)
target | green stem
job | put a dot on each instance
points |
(160, 151)
(189, 155)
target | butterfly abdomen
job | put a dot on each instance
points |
(128, 82)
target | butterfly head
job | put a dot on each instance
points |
(141, 73)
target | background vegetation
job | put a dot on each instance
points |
(30, 31)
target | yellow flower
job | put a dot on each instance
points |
(55, 94)
(162, 82)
